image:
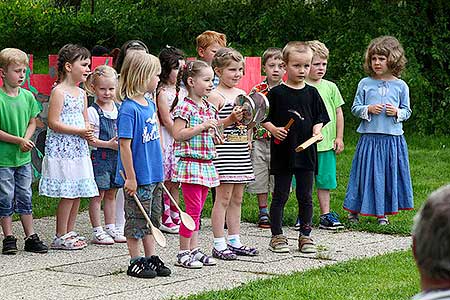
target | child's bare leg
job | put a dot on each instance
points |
(62, 216)
(233, 212)
(149, 245)
(109, 208)
(27, 224)
(324, 201)
(223, 196)
(94, 209)
(133, 247)
(262, 199)
(194, 240)
(73, 214)
(6, 225)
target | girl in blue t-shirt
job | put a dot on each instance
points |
(380, 181)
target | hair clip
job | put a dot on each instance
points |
(225, 54)
(100, 72)
(190, 66)
(169, 47)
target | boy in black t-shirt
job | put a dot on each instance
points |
(284, 161)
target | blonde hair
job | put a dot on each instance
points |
(100, 71)
(296, 46)
(225, 56)
(319, 49)
(387, 46)
(210, 37)
(271, 52)
(12, 56)
(137, 70)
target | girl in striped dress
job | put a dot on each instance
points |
(233, 161)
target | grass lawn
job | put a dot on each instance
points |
(390, 276)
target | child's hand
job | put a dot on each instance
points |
(26, 145)
(113, 143)
(87, 133)
(237, 114)
(211, 123)
(280, 133)
(130, 186)
(375, 109)
(391, 110)
(338, 146)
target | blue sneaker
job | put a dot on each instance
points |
(330, 221)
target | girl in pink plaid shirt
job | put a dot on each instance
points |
(193, 130)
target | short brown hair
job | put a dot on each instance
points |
(271, 52)
(387, 46)
(12, 56)
(299, 47)
(319, 49)
(210, 37)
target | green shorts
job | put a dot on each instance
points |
(326, 175)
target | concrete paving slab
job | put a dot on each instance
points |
(85, 274)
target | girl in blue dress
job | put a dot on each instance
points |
(380, 181)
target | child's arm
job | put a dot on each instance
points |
(218, 102)
(164, 111)
(181, 133)
(24, 143)
(360, 109)
(54, 112)
(278, 132)
(96, 142)
(126, 157)
(339, 141)
(403, 112)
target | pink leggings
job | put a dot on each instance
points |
(194, 196)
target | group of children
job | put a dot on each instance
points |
(175, 123)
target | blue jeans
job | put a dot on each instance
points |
(15, 190)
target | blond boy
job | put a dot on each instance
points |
(18, 110)
(333, 133)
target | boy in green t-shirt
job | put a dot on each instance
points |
(18, 110)
(333, 134)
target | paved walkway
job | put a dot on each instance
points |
(99, 272)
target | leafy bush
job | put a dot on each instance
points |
(346, 27)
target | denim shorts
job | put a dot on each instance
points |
(104, 165)
(150, 196)
(15, 190)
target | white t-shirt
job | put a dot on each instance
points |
(94, 118)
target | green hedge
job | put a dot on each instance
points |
(251, 26)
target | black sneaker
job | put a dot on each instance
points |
(139, 268)
(34, 244)
(9, 245)
(156, 264)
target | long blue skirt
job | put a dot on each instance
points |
(380, 180)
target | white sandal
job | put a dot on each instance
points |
(67, 242)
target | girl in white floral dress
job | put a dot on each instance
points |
(66, 168)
